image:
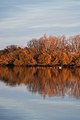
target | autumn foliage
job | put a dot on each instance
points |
(50, 51)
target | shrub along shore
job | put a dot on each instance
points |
(45, 51)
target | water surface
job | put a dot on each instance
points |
(28, 93)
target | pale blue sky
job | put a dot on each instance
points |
(22, 20)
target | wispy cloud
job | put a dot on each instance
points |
(26, 18)
(57, 25)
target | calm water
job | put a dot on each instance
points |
(39, 94)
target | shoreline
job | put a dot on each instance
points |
(39, 65)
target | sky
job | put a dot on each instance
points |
(22, 20)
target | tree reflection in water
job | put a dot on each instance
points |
(44, 80)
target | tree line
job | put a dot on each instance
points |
(45, 51)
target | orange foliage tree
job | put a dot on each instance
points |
(52, 50)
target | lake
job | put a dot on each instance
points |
(41, 93)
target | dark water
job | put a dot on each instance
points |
(39, 93)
